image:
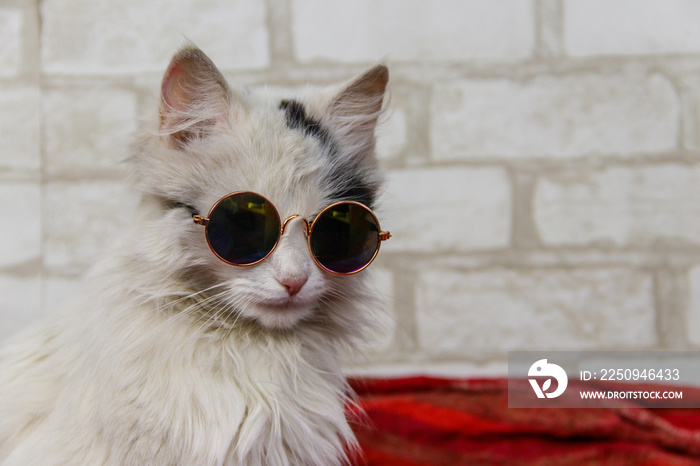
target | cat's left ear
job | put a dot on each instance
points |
(353, 113)
(194, 96)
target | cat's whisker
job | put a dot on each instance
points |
(196, 305)
(227, 307)
(198, 332)
(195, 294)
(192, 309)
(226, 301)
(237, 312)
(150, 296)
(182, 313)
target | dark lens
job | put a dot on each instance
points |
(345, 237)
(243, 228)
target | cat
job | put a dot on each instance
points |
(173, 355)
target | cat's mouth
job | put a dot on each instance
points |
(280, 314)
(287, 305)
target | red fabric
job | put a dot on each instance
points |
(424, 421)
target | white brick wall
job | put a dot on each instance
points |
(102, 36)
(693, 316)
(392, 135)
(21, 228)
(543, 157)
(104, 116)
(630, 206)
(82, 219)
(20, 121)
(415, 30)
(11, 39)
(58, 292)
(552, 116)
(435, 209)
(21, 302)
(631, 27)
(483, 313)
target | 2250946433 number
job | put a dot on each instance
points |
(637, 374)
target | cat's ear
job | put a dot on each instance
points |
(194, 96)
(353, 112)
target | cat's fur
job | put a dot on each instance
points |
(175, 357)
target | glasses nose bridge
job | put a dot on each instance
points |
(307, 227)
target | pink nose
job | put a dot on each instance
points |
(293, 285)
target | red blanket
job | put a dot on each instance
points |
(429, 421)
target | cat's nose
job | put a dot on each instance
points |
(293, 284)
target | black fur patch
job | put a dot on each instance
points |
(354, 188)
(297, 119)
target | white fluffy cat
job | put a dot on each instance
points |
(176, 357)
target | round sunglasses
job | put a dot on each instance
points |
(243, 228)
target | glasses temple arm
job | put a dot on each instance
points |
(199, 220)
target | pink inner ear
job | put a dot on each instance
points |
(172, 91)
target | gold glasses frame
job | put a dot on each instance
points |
(309, 227)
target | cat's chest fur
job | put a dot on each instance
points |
(236, 396)
(276, 400)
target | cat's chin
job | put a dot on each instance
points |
(278, 317)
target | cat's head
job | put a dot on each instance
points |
(301, 152)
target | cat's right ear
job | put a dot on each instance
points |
(194, 97)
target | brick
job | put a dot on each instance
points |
(20, 232)
(552, 116)
(447, 209)
(11, 21)
(550, 42)
(693, 319)
(489, 312)
(82, 219)
(405, 30)
(391, 134)
(59, 292)
(20, 304)
(631, 27)
(623, 206)
(20, 120)
(689, 89)
(130, 36)
(88, 127)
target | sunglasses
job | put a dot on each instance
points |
(243, 228)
